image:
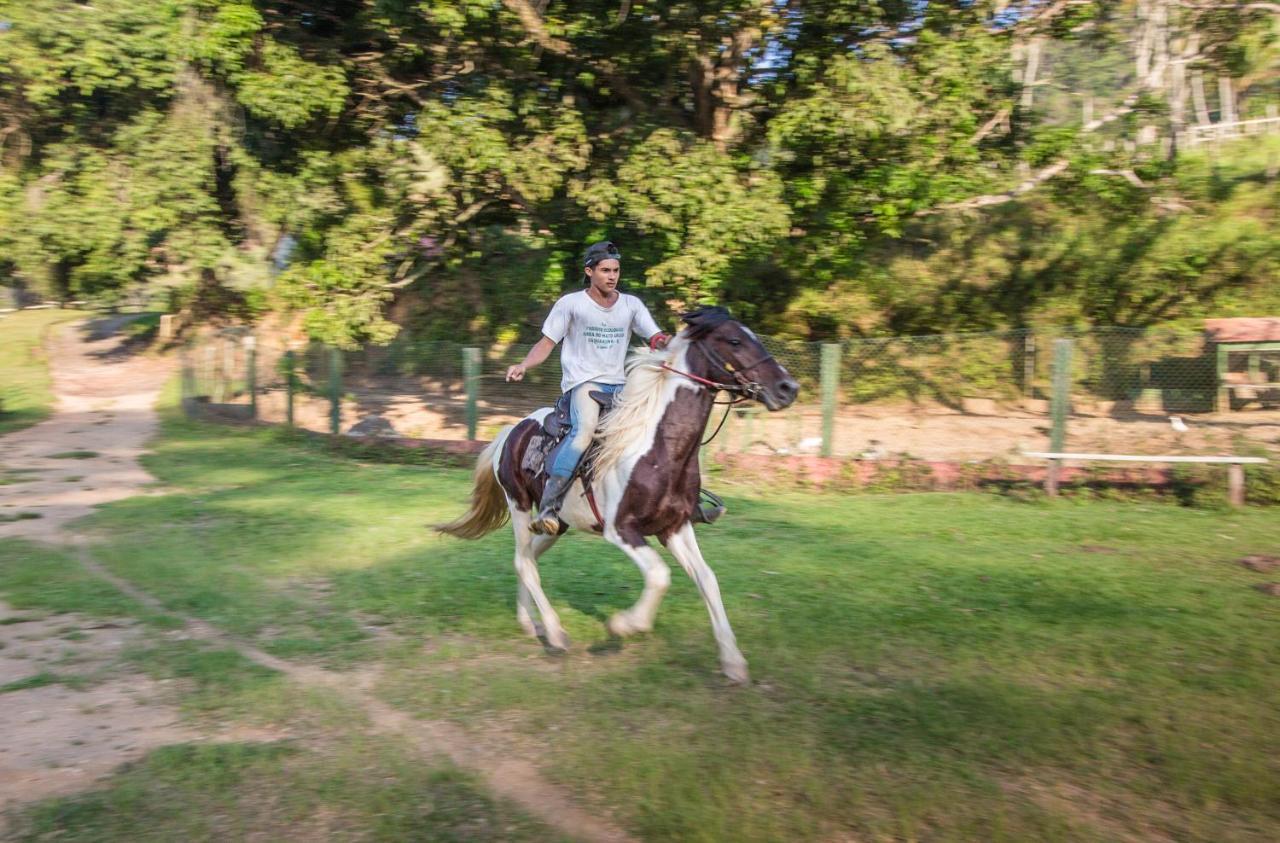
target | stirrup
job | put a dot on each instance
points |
(547, 523)
(709, 508)
(705, 513)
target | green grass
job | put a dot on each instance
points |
(36, 576)
(933, 667)
(73, 455)
(25, 393)
(6, 518)
(38, 680)
(280, 791)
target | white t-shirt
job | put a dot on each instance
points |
(596, 338)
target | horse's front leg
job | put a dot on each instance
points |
(684, 547)
(657, 579)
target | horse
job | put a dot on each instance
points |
(645, 477)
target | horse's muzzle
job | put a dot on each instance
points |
(780, 395)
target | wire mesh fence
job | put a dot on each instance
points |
(959, 397)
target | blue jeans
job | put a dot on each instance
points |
(584, 414)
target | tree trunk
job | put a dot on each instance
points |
(700, 81)
(1033, 69)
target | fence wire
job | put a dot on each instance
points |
(947, 397)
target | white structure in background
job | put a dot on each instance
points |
(1231, 131)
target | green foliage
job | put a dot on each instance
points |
(831, 170)
(703, 212)
(288, 89)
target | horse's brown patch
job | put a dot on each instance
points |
(513, 479)
(662, 491)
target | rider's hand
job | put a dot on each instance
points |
(516, 372)
(659, 342)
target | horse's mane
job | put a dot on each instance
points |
(637, 403)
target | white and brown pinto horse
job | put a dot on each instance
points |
(645, 479)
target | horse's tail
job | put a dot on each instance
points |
(488, 509)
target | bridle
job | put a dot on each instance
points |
(741, 390)
(742, 387)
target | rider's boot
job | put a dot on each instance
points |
(547, 521)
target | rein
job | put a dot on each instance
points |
(742, 391)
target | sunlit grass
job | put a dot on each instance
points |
(926, 666)
(25, 392)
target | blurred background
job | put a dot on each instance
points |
(832, 171)
(932, 192)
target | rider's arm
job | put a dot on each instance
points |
(642, 323)
(540, 351)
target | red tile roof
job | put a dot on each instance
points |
(1243, 329)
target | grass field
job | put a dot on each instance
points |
(25, 397)
(927, 667)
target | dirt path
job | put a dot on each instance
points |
(87, 453)
(59, 739)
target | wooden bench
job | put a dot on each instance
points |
(1235, 467)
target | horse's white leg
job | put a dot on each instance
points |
(525, 610)
(657, 579)
(684, 546)
(526, 563)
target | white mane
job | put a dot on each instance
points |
(638, 404)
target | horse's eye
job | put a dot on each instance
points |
(735, 342)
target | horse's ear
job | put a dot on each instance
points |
(704, 320)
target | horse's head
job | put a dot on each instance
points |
(732, 356)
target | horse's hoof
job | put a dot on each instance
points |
(622, 626)
(557, 647)
(533, 630)
(736, 672)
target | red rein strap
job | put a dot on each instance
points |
(595, 510)
(691, 377)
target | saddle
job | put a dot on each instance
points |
(547, 441)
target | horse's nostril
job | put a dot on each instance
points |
(788, 387)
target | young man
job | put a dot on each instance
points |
(595, 325)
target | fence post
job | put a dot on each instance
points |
(226, 384)
(830, 385)
(1028, 364)
(288, 386)
(335, 390)
(188, 380)
(251, 374)
(210, 370)
(1235, 484)
(1061, 393)
(471, 382)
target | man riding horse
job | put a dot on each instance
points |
(595, 324)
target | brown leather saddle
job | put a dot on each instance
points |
(547, 441)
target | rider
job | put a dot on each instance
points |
(596, 326)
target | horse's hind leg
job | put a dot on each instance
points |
(684, 546)
(528, 549)
(657, 579)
